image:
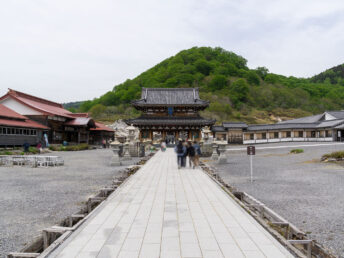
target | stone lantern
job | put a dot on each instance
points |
(115, 160)
(126, 154)
(131, 129)
(222, 149)
(206, 133)
(215, 155)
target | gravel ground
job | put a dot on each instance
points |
(306, 192)
(32, 199)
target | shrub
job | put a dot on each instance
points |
(334, 155)
(78, 147)
(33, 150)
(6, 153)
(296, 151)
(54, 148)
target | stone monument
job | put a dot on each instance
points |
(115, 160)
(215, 155)
(222, 149)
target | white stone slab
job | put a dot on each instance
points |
(165, 212)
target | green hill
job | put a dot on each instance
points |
(235, 91)
(335, 75)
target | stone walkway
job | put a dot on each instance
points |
(165, 212)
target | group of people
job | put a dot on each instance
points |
(187, 149)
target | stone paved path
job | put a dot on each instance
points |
(165, 212)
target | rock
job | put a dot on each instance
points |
(120, 128)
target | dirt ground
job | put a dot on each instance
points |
(306, 192)
(32, 199)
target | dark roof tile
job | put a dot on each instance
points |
(170, 96)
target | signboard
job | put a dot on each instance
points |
(170, 111)
(251, 150)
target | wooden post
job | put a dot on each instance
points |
(151, 134)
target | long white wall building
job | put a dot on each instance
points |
(326, 127)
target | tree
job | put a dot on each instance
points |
(97, 110)
(203, 66)
(239, 90)
(218, 82)
(252, 77)
(262, 71)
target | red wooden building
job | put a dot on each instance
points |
(63, 125)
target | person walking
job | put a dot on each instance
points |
(163, 146)
(197, 149)
(185, 153)
(181, 151)
(191, 154)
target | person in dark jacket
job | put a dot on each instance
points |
(180, 149)
(26, 146)
(197, 154)
(190, 150)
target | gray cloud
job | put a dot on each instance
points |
(75, 50)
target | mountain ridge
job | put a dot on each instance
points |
(235, 92)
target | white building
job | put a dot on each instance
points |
(326, 127)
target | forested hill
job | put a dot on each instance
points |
(234, 91)
(335, 75)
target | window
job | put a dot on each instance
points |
(328, 133)
(251, 136)
(312, 134)
(288, 134)
(276, 135)
(17, 131)
(300, 134)
(263, 135)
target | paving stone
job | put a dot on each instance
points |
(172, 213)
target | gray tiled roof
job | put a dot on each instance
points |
(281, 126)
(341, 126)
(336, 114)
(218, 128)
(171, 121)
(330, 123)
(288, 126)
(170, 96)
(234, 125)
(307, 119)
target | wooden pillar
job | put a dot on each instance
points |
(151, 134)
(164, 135)
(177, 135)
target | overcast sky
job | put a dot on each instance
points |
(69, 50)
